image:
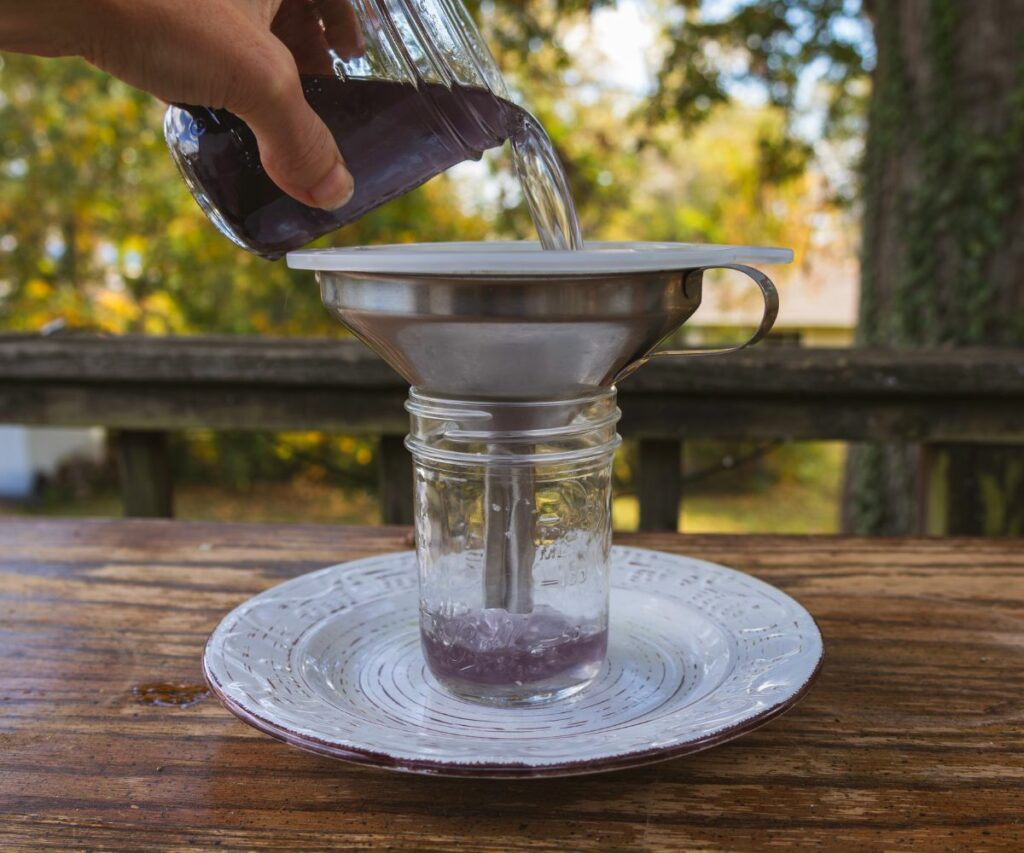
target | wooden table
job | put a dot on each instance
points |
(911, 737)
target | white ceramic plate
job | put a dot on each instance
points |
(330, 662)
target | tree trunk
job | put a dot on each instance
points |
(943, 252)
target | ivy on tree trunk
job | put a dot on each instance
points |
(943, 251)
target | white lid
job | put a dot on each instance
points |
(515, 258)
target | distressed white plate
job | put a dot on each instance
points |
(330, 662)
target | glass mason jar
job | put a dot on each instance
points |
(418, 93)
(513, 532)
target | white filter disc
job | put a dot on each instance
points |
(528, 259)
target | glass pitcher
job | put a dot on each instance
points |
(419, 94)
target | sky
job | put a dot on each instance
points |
(625, 37)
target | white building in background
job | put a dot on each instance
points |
(818, 298)
(27, 453)
(817, 308)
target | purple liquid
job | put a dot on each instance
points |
(393, 136)
(495, 647)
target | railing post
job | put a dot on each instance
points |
(144, 467)
(975, 490)
(931, 491)
(394, 473)
(660, 484)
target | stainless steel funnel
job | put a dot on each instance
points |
(510, 321)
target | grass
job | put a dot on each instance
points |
(295, 501)
(804, 499)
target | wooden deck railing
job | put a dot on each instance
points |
(144, 387)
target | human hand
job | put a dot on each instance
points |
(241, 55)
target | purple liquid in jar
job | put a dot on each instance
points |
(394, 137)
(496, 648)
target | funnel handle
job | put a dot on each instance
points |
(771, 311)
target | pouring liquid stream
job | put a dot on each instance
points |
(509, 501)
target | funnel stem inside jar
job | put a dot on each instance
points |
(509, 547)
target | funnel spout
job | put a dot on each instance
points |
(509, 547)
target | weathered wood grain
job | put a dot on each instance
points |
(239, 360)
(913, 737)
(970, 395)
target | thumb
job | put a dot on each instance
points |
(296, 148)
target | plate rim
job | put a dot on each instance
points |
(367, 757)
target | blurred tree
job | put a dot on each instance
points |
(97, 229)
(943, 195)
(772, 44)
(943, 237)
(741, 179)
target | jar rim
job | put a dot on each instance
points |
(418, 397)
(513, 433)
(424, 452)
(512, 421)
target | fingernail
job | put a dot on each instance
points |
(335, 190)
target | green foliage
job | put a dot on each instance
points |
(238, 460)
(769, 43)
(517, 30)
(99, 231)
(716, 188)
(1002, 495)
